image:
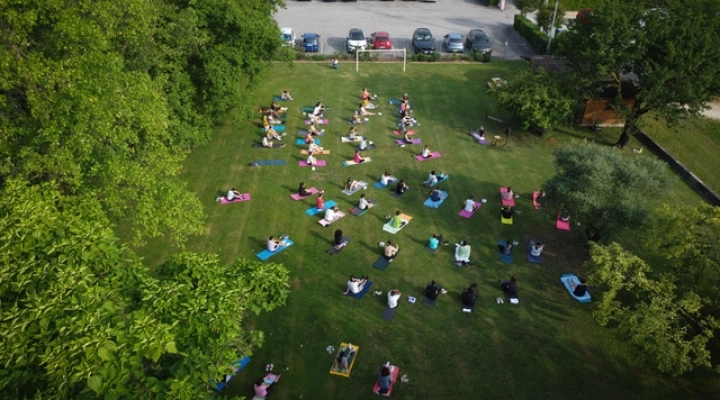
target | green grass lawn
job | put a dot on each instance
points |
(547, 347)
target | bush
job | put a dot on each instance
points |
(531, 33)
(434, 56)
(492, 3)
(318, 57)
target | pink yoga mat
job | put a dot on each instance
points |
(410, 132)
(466, 214)
(413, 141)
(433, 155)
(319, 122)
(510, 202)
(562, 225)
(243, 197)
(296, 196)
(320, 163)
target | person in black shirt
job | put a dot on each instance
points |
(507, 212)
(401, 187)
(432, 291)
(580, 289)
(469, 296)
(510, 287)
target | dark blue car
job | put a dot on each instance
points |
(311, 42)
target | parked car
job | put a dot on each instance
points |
(288, 36)
(380, 40)
(477, 41)
(454, 43)
(356, 40)
(423, 41)
(311, 42)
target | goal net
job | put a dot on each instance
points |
(390, 55)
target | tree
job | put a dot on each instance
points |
(602, 189)
(535, 99)
(667, 59)
(545, 17)
(667, 324)
(527, 6)
(83, 318)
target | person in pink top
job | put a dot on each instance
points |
(320, 202)
(262, 389)
(358, 159)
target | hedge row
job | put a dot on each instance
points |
(532, 33)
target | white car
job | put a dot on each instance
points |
(288, 36)
(356, 40)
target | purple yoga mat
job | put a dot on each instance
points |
(434, 154)
(320, 163)
(296, 196)
(319, 122)
(243, 197)
(466, 214)
(413, 141)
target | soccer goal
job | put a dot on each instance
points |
(395, 53)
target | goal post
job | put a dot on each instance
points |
(395, 52)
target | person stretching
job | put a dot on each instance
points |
(434, 241)
(433, 179)
(508, 194)
(507, 247)
(384, 379)
(313, 148)
(391, 251)
(352, 186)
(386, 178)
(232, 194)
(426, 153)
(330, 214)
(355, 285)
(436, 195)
(352, 134)
(462, 254)
(368, 105)
(302, 191)
(469, 296)
(286, 95)
(470, 204)
(338, 242)
(312, 130)
(393, 297)
(365, 112)
(536, 248)
(510, 288)
(311, 161)
(364, 143)
(273, 244)
(579, 289)
(364, 204)
(356, 118)
(432, 291)
(397, 221)
(401, 187)
(272, 134)
(507, 212)
(358, 159)
(267, 143)
(320, 201)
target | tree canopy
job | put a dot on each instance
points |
(106, 99)
(83, 317)
(671, 57)
(603, 189)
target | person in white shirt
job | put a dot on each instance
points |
(536, 248)
(313, 148)
(470, 205)
(273, 244)
(267, 143)
(433, 178)
(386, 178)
(393, 297)
(426, 152)
(355, 285)
(508, 194)
(232, 194)
(311, 160)
(363, 204)
(330, 214)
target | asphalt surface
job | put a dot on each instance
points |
(333, 20)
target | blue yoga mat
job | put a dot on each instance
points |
(446, 177)
(379, 185)
(436, 204)
(504, 258)
(566, 279)
(532, 258)
(362, 292)
(277, 98)
(268, 162)
(265, 254)
(312, 211)
(301, 142)
(278, 128)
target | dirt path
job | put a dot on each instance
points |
(714, 111)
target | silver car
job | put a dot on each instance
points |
(454, 43)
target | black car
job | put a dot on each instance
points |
(423, 41)
(477, 41)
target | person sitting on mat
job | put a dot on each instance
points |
(320, 201)
(462, 254)
(352, 185)
(363, 204)
(276, 110)
(390, 251)
(318, 111)
(356, 118)
(579, 289)
(536, 249)
(508, 194)
(267, 143)
(426, 153)
(355, 285)
(397, 221)
(309, 138)
(564, 215)
(433, 179)
(510, 287)
(540, 195)
(393, 297)
(364, 143)
(273, 244)
(406, 134)
(366, 95)
(364, 111)
(435, 241)
(232, 194)
(470, 205)
(481, 132)
(272, 134)
(312, 130)
(507, 212)
(343, 359)
(384, 379)
(469, 296)
(358, 159)
(302, 191)
(386, 178)
(330, 214)
(432, 291)
(313, 148)
(311, 161)
(368, 105)
(401, 187)
(436, 195)
(262, 389)
(338, 241)
(352, 134)
(265, 122)
(507, 247)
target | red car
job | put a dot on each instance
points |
(380, 40)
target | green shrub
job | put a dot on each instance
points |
(434, 56)
(318, 57)
(492, 3)
(531, 33)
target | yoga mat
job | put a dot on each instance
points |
(531, 258)
(347, 139)
(267, 162)
(409, 132)
(395, 101)
(319, 122)
(314, 210)
(562, 225)
(481, 140)
(506, 221)
(303, 132)
(277, 128)
(444, 178)
(436, 204)
(352, 162)
(326, 223)
(307, 109)
(277, 98)
(361, 293)
(301, 142)
(388, 313)
(351, 359)
(433, 155)
(362, 186)
(429, 302)
(319, 163)
(243, 197)
(237, 366)
(379, 185)
(535, 202)
(510, 202)
(305, 152)
(296, 196)
(504, 258)
(333, 250)
(402, 142)
(370, 147)
(260, 146)
(466, 214)
(566, 279)
(406, 219)
(358, 212)
(394, 373)
(382, 262)
(265, 254)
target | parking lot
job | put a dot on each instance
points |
(333, 20)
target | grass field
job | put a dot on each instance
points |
(547, 347)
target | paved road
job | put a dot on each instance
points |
(400, 18)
